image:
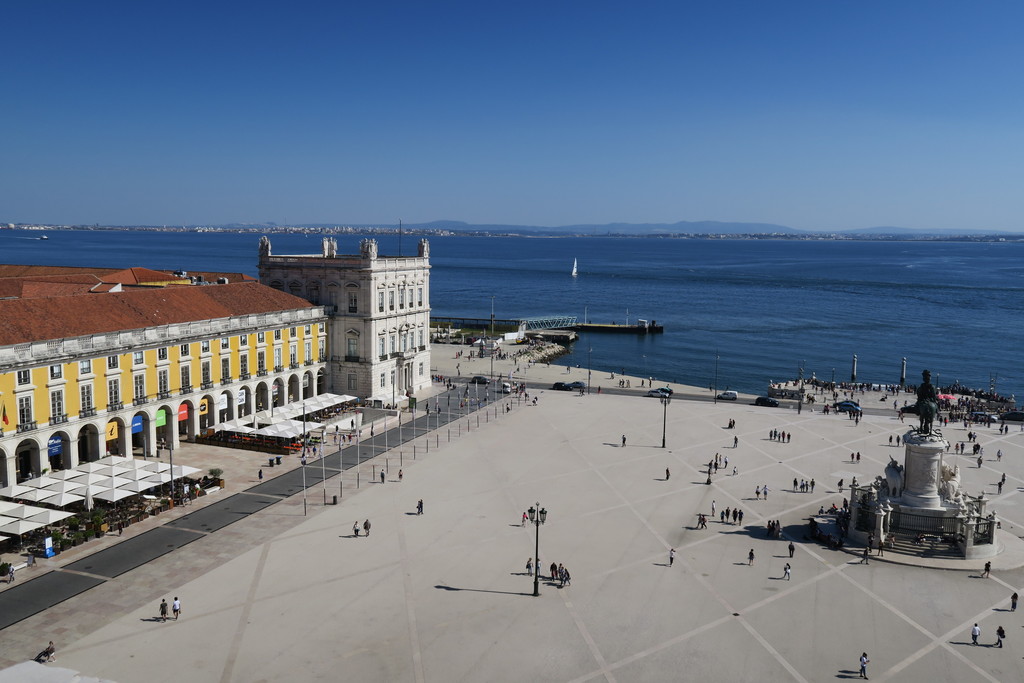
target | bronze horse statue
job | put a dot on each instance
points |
(927, 404)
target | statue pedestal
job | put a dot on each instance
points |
(922, 470)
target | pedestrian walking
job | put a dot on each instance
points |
(176, 607)
(623, 440)
(750, 558)
(864, 556)
(812, 486)
(671, 556)
(419, 507)
(840, 486)
(10, 573)
(757, 493)
(713, 508)
(529, 566)
(975, 632)
(553, 569)
(366, 528)
(1000, 634)
(785, 571)
(792, 548)
(864, 665)
(735, 442)
(764, 491)
(260, 475)
(399, 476)
(524, 520)
(1013, 602)
(988, 569)
(382, 476)
(667, 474)
(355, 528)
(163, 610)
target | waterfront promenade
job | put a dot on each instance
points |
(445, 596)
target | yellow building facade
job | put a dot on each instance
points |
(138, 370)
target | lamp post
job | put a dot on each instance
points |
(323, 468)
(715, 388)
(304, 510)
(590, 351)
(170, 449)
(665, 400)
(538, 516)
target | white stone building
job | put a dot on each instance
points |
(378, 311)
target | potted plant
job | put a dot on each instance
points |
(58, 541)
(98, 525)
(5, 567)
(216, 473)
(73, 523)
(165, 504)
(80, 538)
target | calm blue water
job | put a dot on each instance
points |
(765, 307)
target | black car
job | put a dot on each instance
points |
(561, 386)
(767, 401)
(479, 379)
(577, 386)
(909, 409)
(1013, 416)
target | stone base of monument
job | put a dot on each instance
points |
(922, 499)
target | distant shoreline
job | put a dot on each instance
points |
(421, 232)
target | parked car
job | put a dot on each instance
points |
(577, 386)
(728, 396)
(981, 416)
(479, 379)
(660, 392)
(561, 386)
(766, 401)
(847, 407)
(1013, 416)
(909, 409)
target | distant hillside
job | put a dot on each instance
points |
(681, 227)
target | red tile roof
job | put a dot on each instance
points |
(76, 314)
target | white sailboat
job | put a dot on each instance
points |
(574, 267)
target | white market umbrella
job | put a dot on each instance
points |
(19, 527)
(65, 486)
(64, 499)
(38, 495)
(50, 516)
(116, 460)
(64, 475)
(138, 486)
(14, 490)
(113, 495)
(17, 510)
(88, 499)
(103, 480)
(91, 466)
(157, 478)
(155, 466)
(41, 482)
(111, 470)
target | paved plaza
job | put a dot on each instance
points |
(445, 596)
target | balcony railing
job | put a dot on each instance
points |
(351, 359)
(226, 381)
(293, 366)
(243, 376)
(87, 412)
(308, 362)
(140, 401)
(114, 406)
(59, 419)
(163, 395)
(187, 389)
(27, 427)
(262, 372)
(323, 357)
(208, 384)
(278, 368)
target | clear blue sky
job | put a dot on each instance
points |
(815, 114)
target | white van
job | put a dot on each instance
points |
(506, 388)
(728, 396)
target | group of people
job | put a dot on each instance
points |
(175, 608)
(558, 572)
(803, 486)
(780, 436)
(366, 525)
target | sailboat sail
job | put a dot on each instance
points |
(574, 267)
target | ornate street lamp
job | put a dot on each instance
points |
(665, 400)
(537, 518)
